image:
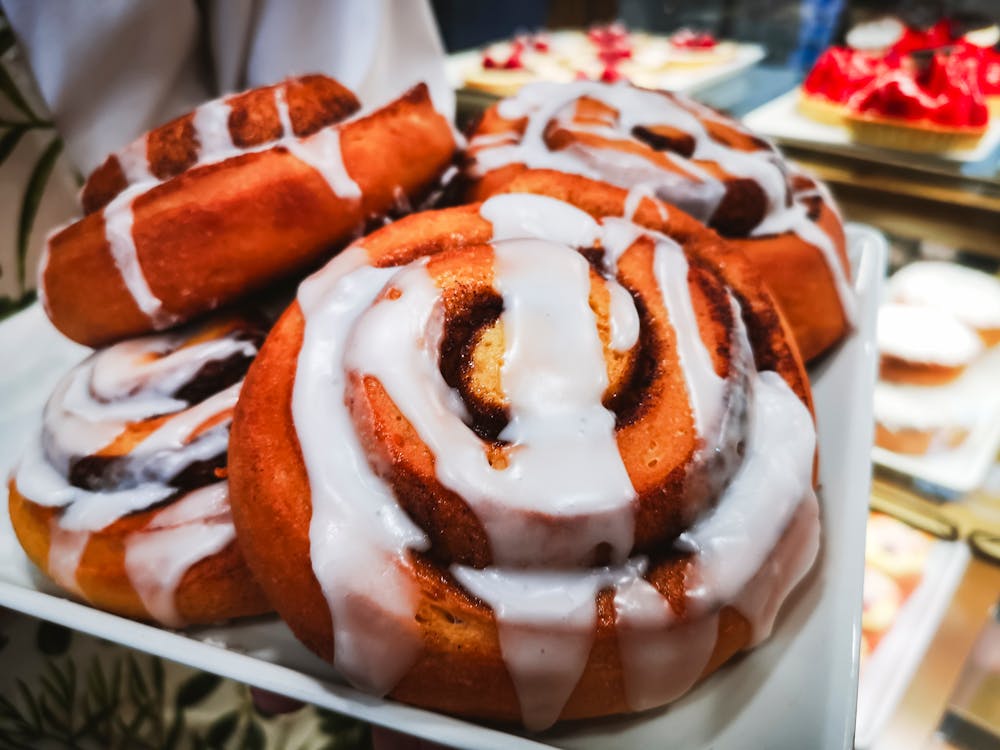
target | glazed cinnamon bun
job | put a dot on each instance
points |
(225, 200)
(122, 498)
(668, 146)
(528, 460)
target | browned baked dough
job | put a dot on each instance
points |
(214, 233)
(460, 669)
(314, 101)
(215, 588)
(219, 587)
(796, 271)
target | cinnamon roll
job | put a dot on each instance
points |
(666, 145)
(528, 460)
(122, 498)
(230, 197)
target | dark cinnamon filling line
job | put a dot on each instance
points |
(628, 402)
(462, 331)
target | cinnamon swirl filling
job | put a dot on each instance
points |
(132, 454)
(523, 408)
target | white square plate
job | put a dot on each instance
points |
(797, 690)
(780, 118)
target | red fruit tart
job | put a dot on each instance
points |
(896, 111)
(839, 73)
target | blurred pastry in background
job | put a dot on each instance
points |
(971, 296)
(882, 600)
(923, 345)
(897, 550)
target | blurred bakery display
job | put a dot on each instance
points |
(900, 116)
(682, 61)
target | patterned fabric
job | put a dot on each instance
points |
(37, 185)
(62, 689)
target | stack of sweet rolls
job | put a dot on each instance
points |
(123, 497)
(940, 320)
(546, 453)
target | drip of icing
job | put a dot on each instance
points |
(706, 390)
(158, 556)
(118, 219)
(694, 190)
(321, 151)
(733, 540)
(546, 625)
(623, 317)
(359, 536)
(65, 552)
(134, 161)
(211, 127)
(634, 199)
(652, 644)
(517, 215)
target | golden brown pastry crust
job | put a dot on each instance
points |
(217, 588)
(460, 669)
(217, 232)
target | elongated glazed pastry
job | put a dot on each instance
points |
(227, 199)
(528, 459)
(122, 498)
(665, 145)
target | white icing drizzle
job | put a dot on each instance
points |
(553, 376)
(634, 199)
(118, 220)
(134, 161)
(321, 151)
(91, 406)
(65, 552)
(193, 528)
(926, 335)
(733, 541)
(971, 296)
(211, 127)
(693, 189)
(705, 388)
(358, 534)
(652, 644)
